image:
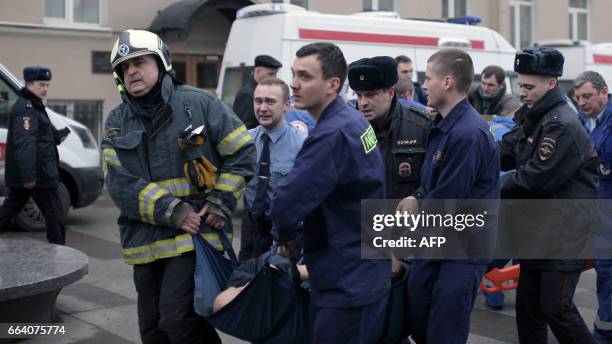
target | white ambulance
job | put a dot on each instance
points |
(581, 56)
(279, 30)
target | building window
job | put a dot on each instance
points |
(454, 8)
(378, 5)
(520, 23)
(578, 20)
(82, 12)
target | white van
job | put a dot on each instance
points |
(279, 30)
(80, 172)
(581, 56)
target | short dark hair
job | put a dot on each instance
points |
(497, 71)
(402, 59)
(331, 58)
(272, 81)
(457, 63)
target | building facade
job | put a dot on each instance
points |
(74, 37)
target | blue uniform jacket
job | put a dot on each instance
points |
(601, 137)
(462, 161)
(338, 166)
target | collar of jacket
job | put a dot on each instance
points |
(36, 102)
(530, 116)
(332, 108)
(606, 116)
(167, 90)
(494, 100)
(444, 124)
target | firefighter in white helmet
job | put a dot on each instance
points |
(176, 161)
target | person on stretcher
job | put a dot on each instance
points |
(243, 275)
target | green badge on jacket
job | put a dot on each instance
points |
(368, 139)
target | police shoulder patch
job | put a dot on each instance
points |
(368, 140)
(547, 147)
(26, 123)
(111, 133)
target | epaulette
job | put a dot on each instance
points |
(21, 106)
(421, 112)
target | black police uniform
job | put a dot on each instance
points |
(553, 158)
(31, 156)
(401, 133)
(402, 144)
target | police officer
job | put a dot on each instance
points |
(400, 131)
(277, 143)
(338, 166)
(265, 66)
(594, 100)
(553, 158)
(31, 156)
(461, 162)
(172, 155)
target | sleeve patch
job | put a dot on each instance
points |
(368, 140)
(547, 147)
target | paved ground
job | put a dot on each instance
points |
(101, 308)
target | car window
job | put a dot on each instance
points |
(8, 96)
(235, 78)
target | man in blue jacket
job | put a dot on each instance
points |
(591, 91)
(338, 166)
(461, 162)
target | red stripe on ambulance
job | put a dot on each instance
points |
(598, 58)
(376, 38)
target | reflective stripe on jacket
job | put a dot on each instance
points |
(144, 170)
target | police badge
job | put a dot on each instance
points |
(405, 170)
(26, 123)
(438, 156)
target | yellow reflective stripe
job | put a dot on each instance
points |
(147, 198)
(232, 142)
(230, 183)
(178, 187)
(214, 241)
(110, 157)
(159, 249)
(120, 86)
(169, 248)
